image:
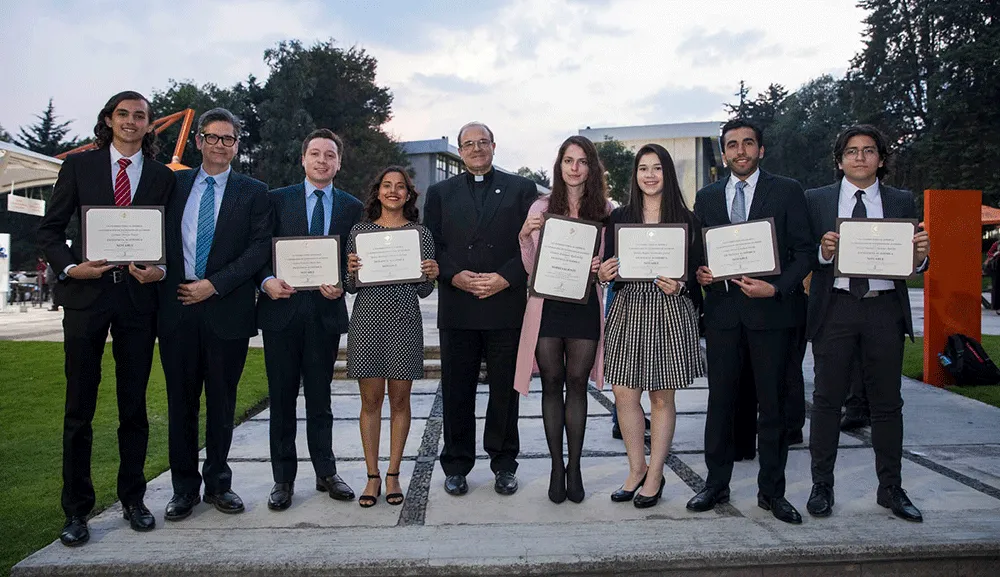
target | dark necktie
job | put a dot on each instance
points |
(319, 214)
(206, 228)
(859, 286)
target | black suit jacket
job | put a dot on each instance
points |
(240, 247)
(289, 206)
(85, 180)
(479, 241)
(823, 210)
(774, 197)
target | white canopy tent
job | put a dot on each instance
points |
(21, 168)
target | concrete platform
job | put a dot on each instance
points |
(951, 470)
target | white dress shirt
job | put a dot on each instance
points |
(747, 192)
(845, 208)
(189, 221)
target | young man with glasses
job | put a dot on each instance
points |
(218, 236)
(862, 320)
(98, 297)
(475, 218)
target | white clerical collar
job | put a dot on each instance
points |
(477, 177)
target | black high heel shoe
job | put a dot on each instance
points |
(368, 500)
(574, 485)
(557, 486)
(642, 501)
(393, 498)
(622, 495)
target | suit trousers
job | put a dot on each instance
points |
(767, 351)
(194, 357)
(461, 351)
(303, 352)
(85, 334)
(875, 328)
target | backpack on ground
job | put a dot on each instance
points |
(965, 359)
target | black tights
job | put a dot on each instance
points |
(566, 361)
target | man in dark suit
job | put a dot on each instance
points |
(302, 328)
(852, 317)
(218, 237)
(98, 297)
(475, 218)
(751, 318)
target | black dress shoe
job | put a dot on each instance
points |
(894, 497)
(853, 422)
(455, 485)
(820, 503)
(180, 506)
(281, 496)
(708, 498)
(623, 494)
(643, 501)
(139, 517)
(336, 487)
(794, 437)
(506, 483)
(75, 532)
(225, 502)
(780, 508)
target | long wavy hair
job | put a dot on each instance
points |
(672, 207)
(594, 203)
(373, 206)
(103, 135)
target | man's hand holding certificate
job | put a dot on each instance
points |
(123, 234)
(307, 262)
(875, 248)
(741, 250)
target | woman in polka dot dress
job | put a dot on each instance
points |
(386, 343)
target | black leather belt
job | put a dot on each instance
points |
(868, 295)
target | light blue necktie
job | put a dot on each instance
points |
(738, 213)
(319, 215)
(206, 227)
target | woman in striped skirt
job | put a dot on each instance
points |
(651, 332)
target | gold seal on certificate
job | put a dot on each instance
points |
(646, 251)
(875, 247)
(745, 249)
(388, 256)
(123, 234)
(305, 262)
(566, 249)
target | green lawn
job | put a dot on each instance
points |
(913, 366)
(32, 397)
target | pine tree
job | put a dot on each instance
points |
(47, 136)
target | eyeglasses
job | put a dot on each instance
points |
(471, 144)
(227, 140)
(866, 151)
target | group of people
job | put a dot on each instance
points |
(478, 244)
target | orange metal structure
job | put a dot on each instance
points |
(186, 117)
(952, 289)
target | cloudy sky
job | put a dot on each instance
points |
(535, 71)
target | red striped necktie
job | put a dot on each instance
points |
(123, 188)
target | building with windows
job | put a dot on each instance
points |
(694, 147)
(436, 160)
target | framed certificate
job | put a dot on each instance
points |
(875, 247)
(388, 256)
(646, 251)
(745, 249)
(123, 234)
(305, 262)
(566, 249)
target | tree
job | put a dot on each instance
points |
(48, 135)
(4, 135)
(324, 86)
(617, 160)
(540, 177)
(927, 76)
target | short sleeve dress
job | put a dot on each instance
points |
(386, 337)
